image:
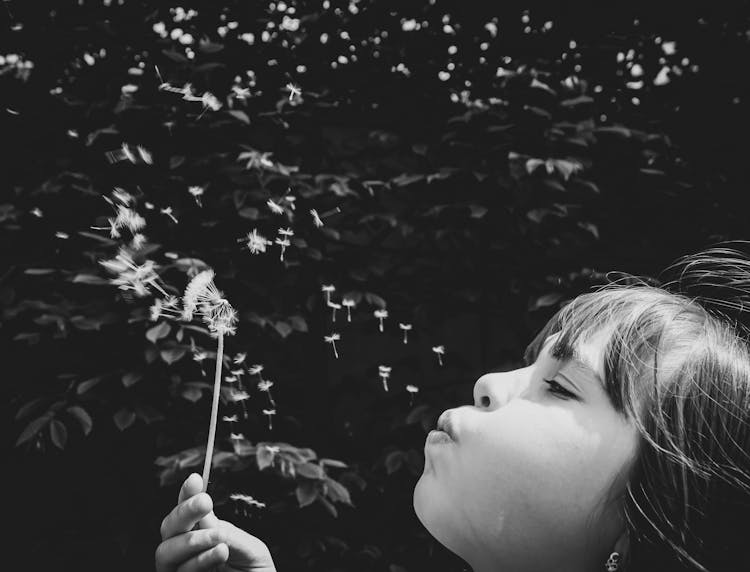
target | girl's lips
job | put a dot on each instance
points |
(437, 436)
(446, 424)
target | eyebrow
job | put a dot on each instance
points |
(579, 363)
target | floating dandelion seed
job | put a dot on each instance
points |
(230, 378)
(240, 92)
(236, 395)
(197, 192)
(412, 389)
(37, 212)
(138, 241)
(275, 208)
(128, 218)
(122, 195)
(168, 211)
(385, 372)
(145, 155)
(63, 235)
(293, 90)
(132, 276)
(286, 232)
(349, 304)
(230, 418)
(381, 315)
(328, 288)
(316, 218)
(284, 243)
(270, 413)
(255, 242)
(405, 328)
(440, 351)
(239, 358)
(256, 369)
(335, 307)
(265, 386)
(332, 340)
(247, 499)
(290, 199)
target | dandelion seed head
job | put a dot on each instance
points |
(276, 209)
(381, 313)
(404, 326)
(334, 305)
(239, 358)
(247, 499)
(271, 412)
(439, 349)
(256, 243)
(348, 302)
(412, 388)
(255, 369)
(286, 232)
(316, 218)
(332, 338)
(265, 385)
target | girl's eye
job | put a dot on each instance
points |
(558, 389)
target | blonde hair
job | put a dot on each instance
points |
(679, 368)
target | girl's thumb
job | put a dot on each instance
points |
(191, 487)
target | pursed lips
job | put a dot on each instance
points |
(445, 423)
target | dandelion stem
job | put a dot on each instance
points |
(214, 413)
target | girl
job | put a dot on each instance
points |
(624, 444)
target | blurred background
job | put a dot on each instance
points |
(465, 169)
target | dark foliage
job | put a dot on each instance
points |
(472, 170)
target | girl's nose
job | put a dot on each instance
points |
(494, 390)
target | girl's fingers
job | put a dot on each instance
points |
(179, 549)
(207, 560)
(185, 515)
(191, 487)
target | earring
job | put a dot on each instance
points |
(613, 562)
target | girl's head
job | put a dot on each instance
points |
(628, 430)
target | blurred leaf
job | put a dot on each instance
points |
(283, 328)
(310, 470)
(29, 407)
(249, 213)
(84, 386)
(171, 355)
(89, 279)
(39, 271)
(241, 115)
(124, 418)
(393, 461)
(159, 331)
(131, 378)
(58, 433)
(306, 492)
(33, 428)
(83, 418)
(546, 300)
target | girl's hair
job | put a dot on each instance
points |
(679, 368)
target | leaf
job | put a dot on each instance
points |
(405, 179)
(175, 56)
(393, 461)
(310, 470)
(158, 332)
(175, 161)
(337, 491)
(333, 463)
(307, 492)
(546, 300)
(576, 101)
(298, 323)
(83, 418)
(590, 227)
(148, 414)
(193, 394)
(172, 355)
(124, 418)
(131, 378)
(84, 386)
(91, 137)
(34, 427)
(89, 279)
(283, 328)
(29, 407)
(375, 300)
(38, 271)
(249, 213)
(477, 211)
(621, 132)
(241, 115)
(264, 457)
(538, 111)
(209, 47)
(59, 433)
(328, 506)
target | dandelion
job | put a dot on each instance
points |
(197, 192)
(239, 358)
(440, 351)
(316, 218)
(284, 243)
(405, 328)
(256, 242)
(384, 372)
(168, 211)
(265, 386)
(270, 413)
(328, 288)
(293, 90)
(381, 315)
(275, 208)
(332, 340)
(349, 304)
(203, 298)
(335, 307)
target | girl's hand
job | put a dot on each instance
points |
(194, 539)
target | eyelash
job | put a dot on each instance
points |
(558, 389)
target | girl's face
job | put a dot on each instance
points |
(523, 484)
